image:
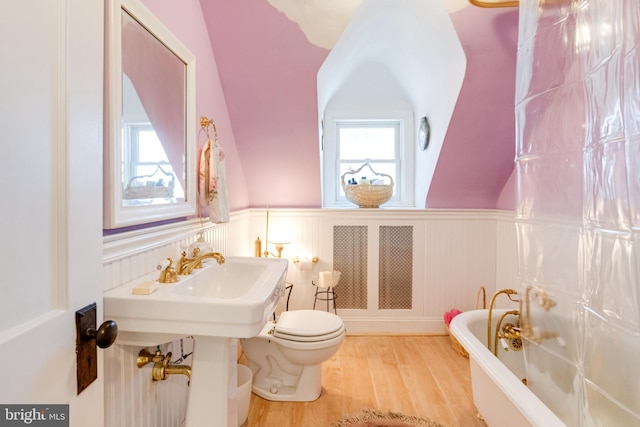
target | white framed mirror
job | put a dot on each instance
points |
(149, 129)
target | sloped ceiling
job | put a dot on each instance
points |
(268, 66)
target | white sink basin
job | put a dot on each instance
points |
(233, 300)
(233, 279)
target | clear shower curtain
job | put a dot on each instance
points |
(578, 205)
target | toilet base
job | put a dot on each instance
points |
(308, 388)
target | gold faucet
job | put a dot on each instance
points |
(509, 293)
(509, 332)
(161, 366)
(186, 264)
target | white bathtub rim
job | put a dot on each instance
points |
(535, 411)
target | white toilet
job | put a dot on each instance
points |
(285, 358)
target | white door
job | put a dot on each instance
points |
(51, 199)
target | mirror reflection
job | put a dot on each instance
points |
(150, 124)
(153, 118)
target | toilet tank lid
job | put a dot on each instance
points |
(308, 323)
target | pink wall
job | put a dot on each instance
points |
(185, 20)
(269, 79)
(477, 156)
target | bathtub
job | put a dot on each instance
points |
(498, 392)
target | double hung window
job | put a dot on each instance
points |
(382, 143)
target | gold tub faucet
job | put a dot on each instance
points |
(186, 264)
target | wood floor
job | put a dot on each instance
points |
(417, 375)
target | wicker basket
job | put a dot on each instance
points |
(456, 345)
(147, 192)
(367, 195)
(141, 188)
(481, 296)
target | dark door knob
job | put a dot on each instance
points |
(105, 335)
(87, 339)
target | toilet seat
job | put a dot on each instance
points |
(318, 338)
(308, 326)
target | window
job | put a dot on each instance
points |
(350, 143)
(376, 143)
(146, 159)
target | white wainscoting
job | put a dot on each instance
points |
(455, 252)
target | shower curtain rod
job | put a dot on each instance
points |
(515, 3)
(481, 3)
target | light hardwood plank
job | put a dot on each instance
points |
(416, 375)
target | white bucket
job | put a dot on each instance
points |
(245, 378)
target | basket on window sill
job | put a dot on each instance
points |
(157, 185)
(147, 192)
(367, 195)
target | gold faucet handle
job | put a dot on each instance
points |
(168, 273)
(145, 357)
(196, 252)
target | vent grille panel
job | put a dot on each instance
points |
(395, 269)
(350, 258)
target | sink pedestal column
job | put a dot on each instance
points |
(208, 401)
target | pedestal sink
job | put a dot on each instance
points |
(214, 305)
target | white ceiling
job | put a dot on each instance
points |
(323, 21)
